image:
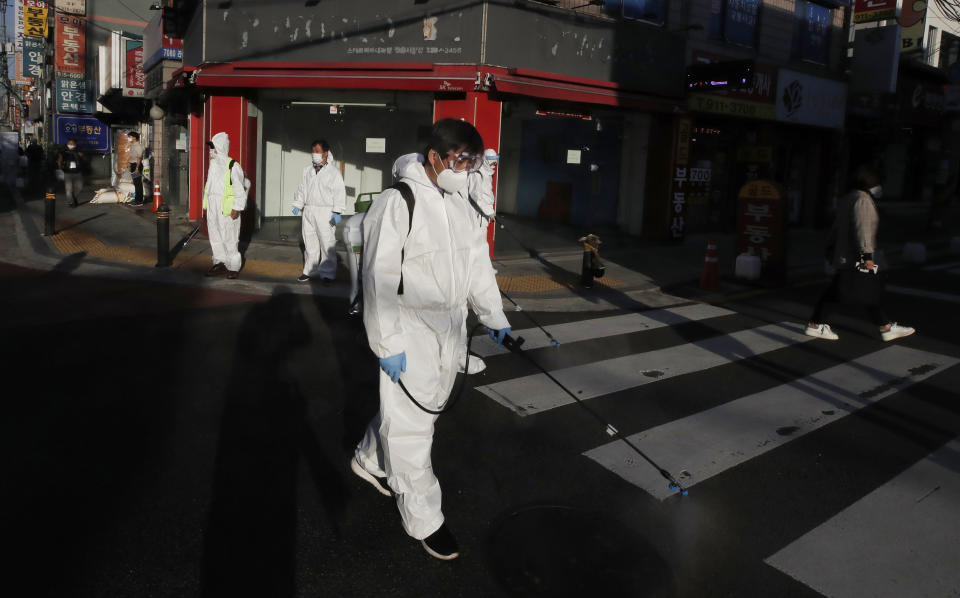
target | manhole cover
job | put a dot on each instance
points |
(556, 550)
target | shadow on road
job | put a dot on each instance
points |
(270, 425)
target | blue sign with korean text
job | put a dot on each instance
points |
(34, 53)
(90, 133)
(740, 22)
(73, 95)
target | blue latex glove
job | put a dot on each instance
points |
(394, 365)
(296, 211)
(335, 219)
(498, 335)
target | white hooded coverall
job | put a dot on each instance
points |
(442, 272)
(319, 195)
(223, 230)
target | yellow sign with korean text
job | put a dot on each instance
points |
(34, 20)
(715, 104)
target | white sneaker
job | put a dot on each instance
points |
(476, 365)
(896, 331)
(822, 331)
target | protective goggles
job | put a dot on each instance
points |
(465, 162)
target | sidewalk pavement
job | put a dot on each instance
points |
(538, 263)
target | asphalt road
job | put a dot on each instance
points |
(170, 441)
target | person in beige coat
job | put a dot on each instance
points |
(853, 240)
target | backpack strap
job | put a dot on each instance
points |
(407, 193)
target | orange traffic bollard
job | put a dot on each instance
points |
(711, 267)
(157, 199)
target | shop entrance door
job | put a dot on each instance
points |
(569, 172)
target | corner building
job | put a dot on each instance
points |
(567, 92)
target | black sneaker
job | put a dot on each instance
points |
(440, 544)
(303, 278)
(380, 484)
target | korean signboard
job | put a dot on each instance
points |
(865, 11)
(73, 95)
(20, 24)
(133, 68)
(35, 18)
(912, 20)
(70, 46)
(760, 225)
(808, 100)
(90, 134)
(679, 179)
(157, 46)
(757, 100)
(34, 50)
(73, 7)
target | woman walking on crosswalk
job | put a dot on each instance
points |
(851, 246)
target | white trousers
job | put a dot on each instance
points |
(399, 439)
(224, 234)
(319, 242)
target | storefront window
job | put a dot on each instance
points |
(735, 21)
(649, 11)
(813, 35)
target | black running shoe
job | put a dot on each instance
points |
(303, 278)
(379, 483)
(440, 544)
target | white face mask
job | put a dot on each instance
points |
(213, 154)
(71, 147)
(317, 158)
(451, 180)
(876, 192)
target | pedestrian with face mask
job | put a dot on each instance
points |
(224, 197)
(852, 247)
(69, 162)
(321, 198)
(135, 164)
(420, 271)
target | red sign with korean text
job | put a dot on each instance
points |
(865, 11)
(760, 225)
(70, 45)
(134, 66)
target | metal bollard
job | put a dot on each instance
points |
(591, 267)
(49, 214)
(163, 236)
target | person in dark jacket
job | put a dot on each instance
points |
(69, 162)
(853, 241)
(35, 157)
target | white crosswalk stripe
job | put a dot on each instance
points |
(593, 328)
(537, 393)
(713, 441)
(899, 540)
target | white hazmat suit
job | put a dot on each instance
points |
(223, 230)
(442, 273)
(320, 194)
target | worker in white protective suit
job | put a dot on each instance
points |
(480, 193)
(416, 334)
(480, 189)
(321, 196)
(224, 197)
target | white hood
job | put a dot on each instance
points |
(221, 142)
(412, 169)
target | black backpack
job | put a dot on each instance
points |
(356, 308)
